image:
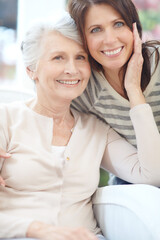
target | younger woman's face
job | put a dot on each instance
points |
(109, 39)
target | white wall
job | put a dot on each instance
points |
(29, 11)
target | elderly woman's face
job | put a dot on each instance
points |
(63, 70)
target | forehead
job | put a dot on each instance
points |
(100, 11)
(55, 41)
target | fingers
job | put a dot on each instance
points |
(84, 234)
(4, 154)
(73, 234)
(138, 58)
(2, 182)
(48, 232)
(137, 40)
(132, 80)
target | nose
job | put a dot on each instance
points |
(109, 36)
(71, 67)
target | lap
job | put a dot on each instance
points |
(99, 236)
(18, 239)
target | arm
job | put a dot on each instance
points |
(136, 166)
(82, 103)
(3, 144)
(5, 155)
(49, 232)
(12, 226)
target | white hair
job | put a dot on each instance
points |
(31, 45)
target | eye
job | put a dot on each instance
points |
(59, 57)
(81, 57)
(119, 24)
(95, 30)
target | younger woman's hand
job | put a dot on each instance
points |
(132, 80)
(3, 154)
(2, 182)
(48, 232)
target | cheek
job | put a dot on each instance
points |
(92, 44)
(128, 38)
(130, 45)
(87, 71)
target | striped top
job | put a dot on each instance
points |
(102, 100)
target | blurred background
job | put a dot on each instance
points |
(16, 16)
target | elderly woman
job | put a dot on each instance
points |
(56, 152)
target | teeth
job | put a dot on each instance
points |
(68, 82)
(110, 53)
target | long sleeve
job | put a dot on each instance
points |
(10, 227)
(3, 133)
(141, 165)
(13, 227)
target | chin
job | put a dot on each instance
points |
(70, 98)
(115, 66)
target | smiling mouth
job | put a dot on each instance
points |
(113, 52)
(68, 82)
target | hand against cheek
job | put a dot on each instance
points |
(48, 232)
(3, 154)
(132, 82)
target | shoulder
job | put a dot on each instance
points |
(96, 83)
(92, 93)
(12, 107)
(9, 116)
(98, 79)
(154, 56)
(10, 111)
(153, 49)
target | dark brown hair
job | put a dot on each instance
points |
(78, 10)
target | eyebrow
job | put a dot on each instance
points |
(63, 52)
(95, 25)
(98, 25)
(82, 52)
(57, 52)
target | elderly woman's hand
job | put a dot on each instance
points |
(48, 232)
(3, 154)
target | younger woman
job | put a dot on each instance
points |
(109, 31)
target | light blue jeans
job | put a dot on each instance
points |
(100, 237)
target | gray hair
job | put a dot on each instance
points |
(31, 45)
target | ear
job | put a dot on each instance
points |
(30, 73)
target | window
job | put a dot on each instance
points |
(8, 26)
(15, 18)
(149, 12)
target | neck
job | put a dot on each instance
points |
(63, 119)
(115, 79)
(59, 112)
